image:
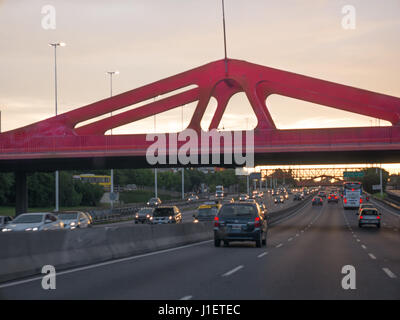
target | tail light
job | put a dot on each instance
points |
(257, 222)
(378, 217)
(360, 200)
(345, 200)
(335, 197)
(216, 222)
(361, 217)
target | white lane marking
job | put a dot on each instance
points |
(372, 256)
(279, 245)
(262, 254)
(290, 239)
(389, 273)
(358, 240)
(232, 271)
(297, 234)
(102, 264)
(364, 247)
(302, 231)
(186, 298)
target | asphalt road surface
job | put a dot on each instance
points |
(303, 259)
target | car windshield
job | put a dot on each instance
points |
(68, 216)
(31, 218)
(145, 211)
(237, 210)
(369, 212)
(204, 212)
(153, 200)
(163, 212)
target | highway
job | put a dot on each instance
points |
(303, 260)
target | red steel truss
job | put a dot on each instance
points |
(59, 138)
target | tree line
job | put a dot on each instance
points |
(41, 190)
(72, 192)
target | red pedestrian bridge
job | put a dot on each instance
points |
(57, 142)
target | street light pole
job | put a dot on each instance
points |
(55, 45)
(111, 73)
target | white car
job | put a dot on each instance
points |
(34, 222)
(74, 219)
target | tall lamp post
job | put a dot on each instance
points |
(111, 73)
(55, 45)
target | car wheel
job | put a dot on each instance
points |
(136, 222)
(264, 241)
(226, 243)
(359, 225)
(217, 242)
(378, 225)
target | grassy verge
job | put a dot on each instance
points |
(138, 196)
(379, 196)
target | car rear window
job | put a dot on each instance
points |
(369, 212)
(163, 212)
(237, 210)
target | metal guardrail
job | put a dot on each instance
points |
(128, 212)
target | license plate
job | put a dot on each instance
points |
(236, 228)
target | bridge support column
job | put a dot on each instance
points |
(21, 193)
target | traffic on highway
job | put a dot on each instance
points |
(277, 255)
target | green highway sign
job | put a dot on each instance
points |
(353, 174)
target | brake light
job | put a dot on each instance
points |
(360, 200)
(345, 200)
(257, 222)
(216, 222)
(378, 217)
(352, 189)
(361, 217)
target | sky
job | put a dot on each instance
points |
(150, 40)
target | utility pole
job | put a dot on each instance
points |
(155, 169)
(111, 73)
(55, 45)
(224, 29)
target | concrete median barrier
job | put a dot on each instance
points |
(24, 254)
